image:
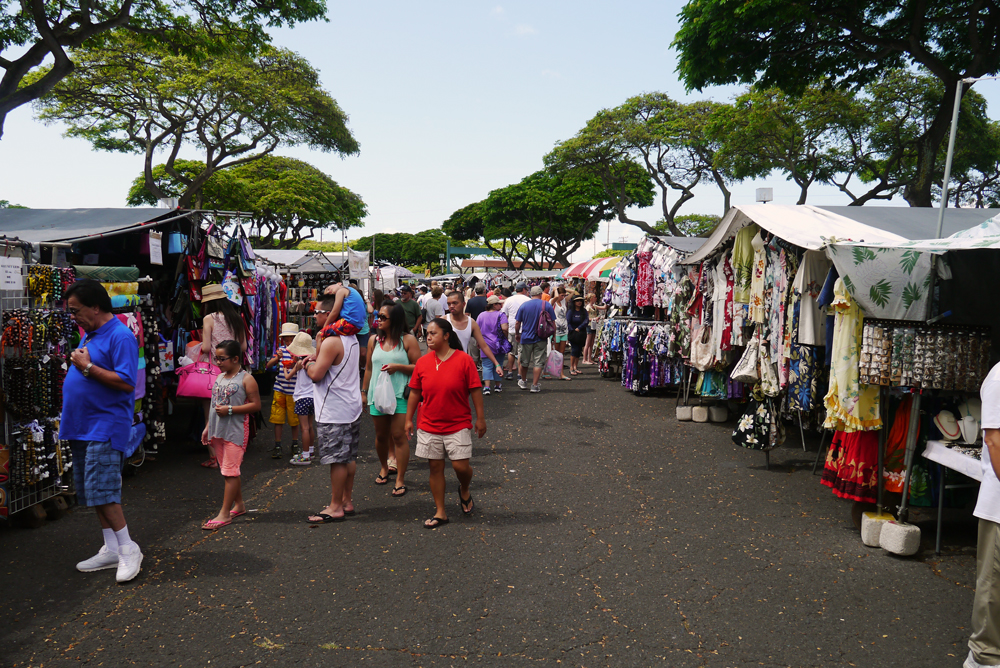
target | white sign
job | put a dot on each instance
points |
(155, 248)
(11, 267)
(357, 263)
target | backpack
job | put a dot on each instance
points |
(546, 324)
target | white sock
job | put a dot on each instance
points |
(110, 540)
(123, 537)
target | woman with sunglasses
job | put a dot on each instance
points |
(235, 397)
(394, 352)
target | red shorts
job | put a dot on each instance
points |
(342, 328)
(229, 455)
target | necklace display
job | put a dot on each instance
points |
(46, 283)
(38, 457)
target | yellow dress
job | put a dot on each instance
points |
(743, 263)
(850, 406)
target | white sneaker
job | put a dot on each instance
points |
(486, 391)
(970, 662)
(129, 562)
(535, 389)
(105, 558)
(300, 460)
(520, 383)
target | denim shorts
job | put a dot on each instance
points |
(97, 472)
(490, 371)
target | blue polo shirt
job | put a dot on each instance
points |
(91, 410)
(527, 315)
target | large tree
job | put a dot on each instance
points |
(388, 247)
(792, 44)
(667, 139)
(288, 199)
(33, 32)
(233, 108)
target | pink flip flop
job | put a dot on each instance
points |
(212, 525)
(233, 514)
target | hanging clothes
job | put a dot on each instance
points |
(850, 406)
(743, 262)
(804, 367)
(809, 282)
(895, 446)
(851, 469)
(644, 280)
(758, 307)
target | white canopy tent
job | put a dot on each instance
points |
(803, 225)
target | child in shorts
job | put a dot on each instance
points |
(282, 402)
(346, 312)
(235, 397)
(301, 349)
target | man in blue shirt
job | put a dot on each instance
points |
(98, 405)
(534, 349)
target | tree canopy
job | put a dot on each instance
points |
(31, 33)
(128, 96)
(289, 198)
(5, 204)
(849, 45)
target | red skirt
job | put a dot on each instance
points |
(851, 469)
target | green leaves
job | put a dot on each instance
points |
(862, 254)
(908, 262)
(880, 293)
(849, 284)
(911, 294)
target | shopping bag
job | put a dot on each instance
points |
(554, 364)
(768, 370)
(702, 354)
(746, 370)
(166, 355)
(385, 395)
(196, 380)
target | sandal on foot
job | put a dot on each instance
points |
(212, 525)
(233, 514)
(381, 479)
(435, 522)
(211, 463)
(348, 513)
(324, 519)
(399, 491)
(467, 502)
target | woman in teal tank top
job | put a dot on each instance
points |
(394, 352)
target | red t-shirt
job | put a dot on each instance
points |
(444, 392)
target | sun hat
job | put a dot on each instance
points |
(536, 290)
(947, 425)
(492, 299)
(212, 292)
(578, 298)
(288, 329)
(302, 345)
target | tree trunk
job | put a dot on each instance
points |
(919, 192)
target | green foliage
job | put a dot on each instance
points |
(862, 254)
(612, 253)
(5, 204)
(289, 199)
(909, 262)
(40, 32)
(881, 292)
(128, 96)
(324, 246)
(911, 294)
(692, 224)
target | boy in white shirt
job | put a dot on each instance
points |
(302, 347)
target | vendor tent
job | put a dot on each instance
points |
(804, 226)
(69, 225)
(591, 270)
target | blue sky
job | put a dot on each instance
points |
(449, 100)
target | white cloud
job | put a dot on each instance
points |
(497, 11)
(524, 29)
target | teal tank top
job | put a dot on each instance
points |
(395, 356)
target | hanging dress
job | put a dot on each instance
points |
(743, 262)
(850, 406)
(758, 310)
(851, 469)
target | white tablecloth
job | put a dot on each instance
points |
(937, 451)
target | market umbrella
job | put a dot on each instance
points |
(603, 270)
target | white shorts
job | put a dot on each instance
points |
(435, 446)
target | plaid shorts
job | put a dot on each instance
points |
(338, 443)
(97, 473)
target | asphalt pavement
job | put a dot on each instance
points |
(605, 534)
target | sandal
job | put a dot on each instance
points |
(435, 522)
(233, 514)
(467, 503)
(212, 525)
(381, 479)
(325, 519)
(400, 493)
(211, 463)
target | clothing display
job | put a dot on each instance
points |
(851, 469)
(850, 405)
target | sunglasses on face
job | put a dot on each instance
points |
(382, 318)
(222, 359)
(320, 312)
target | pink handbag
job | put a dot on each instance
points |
(196, 380)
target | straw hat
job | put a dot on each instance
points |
(302, 345)
(288, 329)
(212, 292)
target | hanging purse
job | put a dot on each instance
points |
(746, 370)
(702, 355)
(768, 372)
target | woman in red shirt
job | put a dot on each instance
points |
(441, 384)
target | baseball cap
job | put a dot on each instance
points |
(536, 290)
(521, 285)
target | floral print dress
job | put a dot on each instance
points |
(850, 406)
(758, 309)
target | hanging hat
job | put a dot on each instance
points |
(302, 345)
(970, 429)
(212, 292)
(947, 425)
(289, 329)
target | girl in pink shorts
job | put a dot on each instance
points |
(235, 398)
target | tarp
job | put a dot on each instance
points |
(986, 234)
(283, 258)
(912, 222)
(804, 226)
(41, 225)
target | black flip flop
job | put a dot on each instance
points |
(381, 479)
(326, 519)
(438, 521)
(396, 489)
(348, 513)
(466, 503)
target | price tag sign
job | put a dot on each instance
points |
(155, 248)
(10, 273)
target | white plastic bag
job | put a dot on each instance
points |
(385, 395)
(554, 365)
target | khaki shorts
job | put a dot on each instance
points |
(435, 446)
(533, 355)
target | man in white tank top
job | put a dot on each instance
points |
(337, 404)
(466, 328)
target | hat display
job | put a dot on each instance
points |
(536, 290)
(212, 292)
(947, 425)
(302, 345)
(492, 299)
(289, 329)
